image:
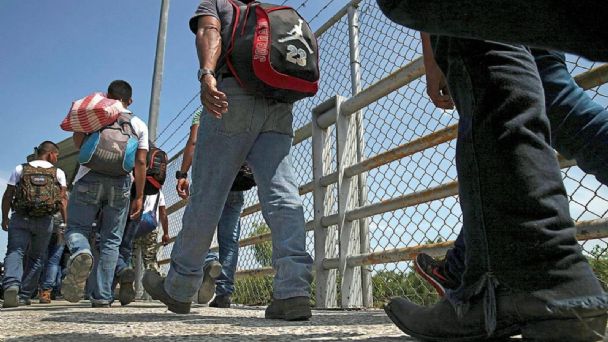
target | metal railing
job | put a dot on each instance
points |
(368, 216)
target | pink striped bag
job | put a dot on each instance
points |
(91, 114)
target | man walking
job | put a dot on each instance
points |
(237, 126)
(35, 191)
(95, 192)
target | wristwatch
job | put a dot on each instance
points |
(203, 72)
(180, 175)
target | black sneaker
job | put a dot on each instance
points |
(154, 285)
(221, 302)
(435, 273)
(126, 278)
(211, 271)
(100, 305)
(290, 309)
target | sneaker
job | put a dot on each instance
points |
(24, 301)
(290, 309)
(100, 305)
(435, 273)
(154, 285)
(211, 271)
(221, 302)
(44, 296)
(77, 273)
(126, 278)
(516, 313)
(11, 297)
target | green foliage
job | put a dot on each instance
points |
(387, 284)
(253, 290)
(598, 259)
(262, 251)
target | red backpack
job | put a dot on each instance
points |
(273, 52)
(156, 171)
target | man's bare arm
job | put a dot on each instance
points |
(436, 84)
(78, 138)
(7, 198)
(209, 49)
(140, 180)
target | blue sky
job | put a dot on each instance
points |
(54, 52)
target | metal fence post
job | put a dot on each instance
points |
(355, 72)
(324, 238)
(347, 200)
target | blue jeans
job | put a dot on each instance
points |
(517, 228)
(111, 195)
(49, 277)
(126, 247)
(562, 25)
(248, 131)
(579, 129)
(28, 237)
(228, 233)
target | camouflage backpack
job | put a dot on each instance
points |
(38, 192)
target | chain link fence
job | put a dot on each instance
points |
(400, 117)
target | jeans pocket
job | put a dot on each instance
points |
(120, 196)
(282, 117)
(86, 192)
(239, 117)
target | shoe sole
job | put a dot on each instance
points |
(74, 282)
(207, 290)
(11, 297)
(434, 283)
(290, 318)
(499, 334)
(571, 330)
(126, 294)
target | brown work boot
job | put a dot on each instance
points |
(44, 296)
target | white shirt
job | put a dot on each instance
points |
(16, 175)
(150, 201)
(141, 131)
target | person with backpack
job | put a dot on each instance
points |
(244, 124)
(103, 184)
(156, 174)
(219, 268)
(35, 192)
(146, 237)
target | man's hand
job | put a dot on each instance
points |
(5, 225)
(165, 239)
(214, 101)
(183, 188)
(437, 87)
(136, 208)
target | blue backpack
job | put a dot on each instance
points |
(111, 150)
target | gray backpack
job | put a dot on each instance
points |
(111, 150)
